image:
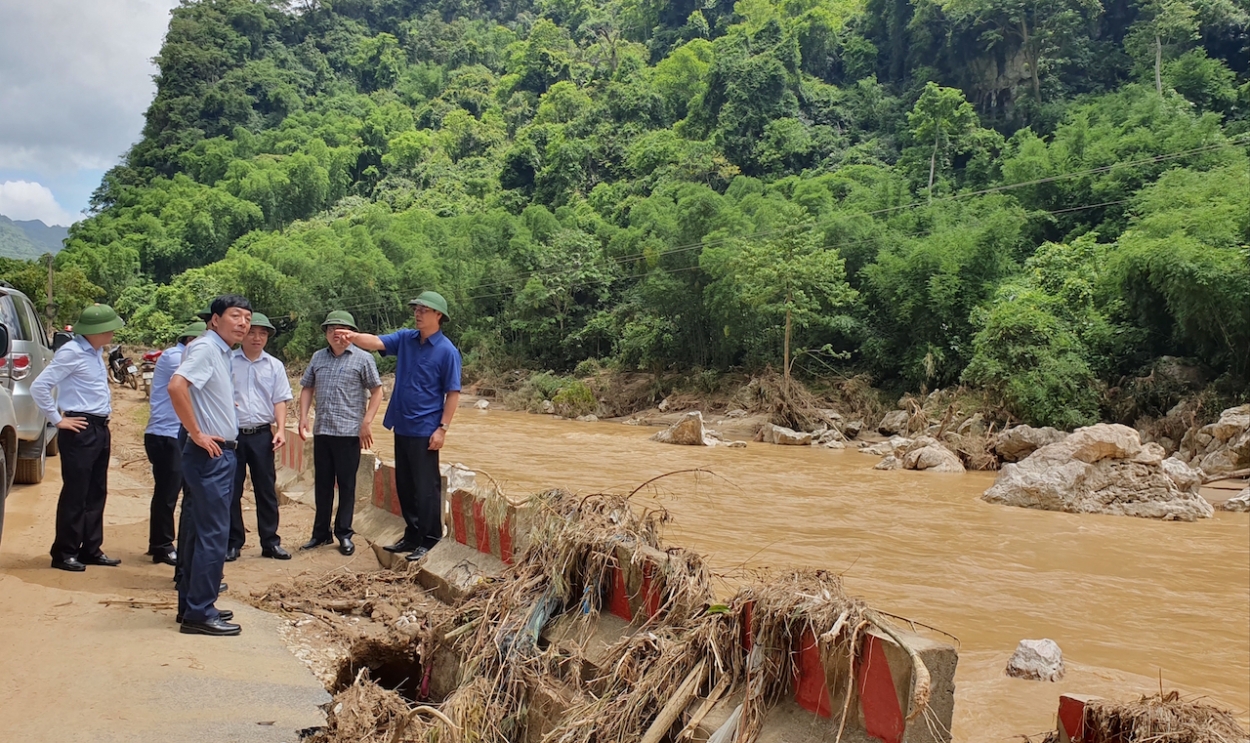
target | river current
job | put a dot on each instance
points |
(1133, 603)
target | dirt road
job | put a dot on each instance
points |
(96, 656)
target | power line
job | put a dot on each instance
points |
(621, 260)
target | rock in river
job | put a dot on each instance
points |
(1221, 447)
(688, 431)
(1239, 503)
(1098, 469)
(781, 435)
(1017, 443)
(1036, 660)
(894, 422)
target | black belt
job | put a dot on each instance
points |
(91, 417)
(228, 445)
(254, 430)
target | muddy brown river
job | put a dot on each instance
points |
(1130, 601)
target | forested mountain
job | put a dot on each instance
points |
(29, 239)
(1036, 197)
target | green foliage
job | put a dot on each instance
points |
(1031, 196)
(575, 399)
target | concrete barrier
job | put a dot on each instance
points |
(484, 533)
(1070, 720)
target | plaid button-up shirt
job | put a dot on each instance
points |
(341, 387)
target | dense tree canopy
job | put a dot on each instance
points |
(1033, 196)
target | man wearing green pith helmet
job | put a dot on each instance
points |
(81, 412)
(427, 391)
(344, 383)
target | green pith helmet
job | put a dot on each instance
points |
(259, 320)
(98, 318)
(433, 300)
(205, 314)
(339, 317)
(193, 330)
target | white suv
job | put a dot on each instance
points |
(29, 354)
(8, 433)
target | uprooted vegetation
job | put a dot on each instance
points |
(515, 661)
(1159, 718)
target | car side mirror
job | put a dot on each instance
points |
(60, 338)
(4, 341)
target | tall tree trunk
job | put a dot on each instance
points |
(933, 166)
(1031, 55)
(785, 354)
(1158, 64)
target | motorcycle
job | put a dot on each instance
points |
(122, 369)
(147, 370)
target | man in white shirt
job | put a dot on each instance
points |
(261, 393)
(81, 413)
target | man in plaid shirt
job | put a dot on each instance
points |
(344, 382)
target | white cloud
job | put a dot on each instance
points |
(75, 79)
(22, 200)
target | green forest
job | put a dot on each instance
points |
(1034, 198)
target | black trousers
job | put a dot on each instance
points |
(255, 453)
(165, 454)
(84, 488)
(335, 460)
(419, 487)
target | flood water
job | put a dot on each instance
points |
(1128, 600)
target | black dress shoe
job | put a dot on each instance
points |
(402, 545)
(215, 626)
(232, 554)
(70, 563)
(276, 553)
(346, 546)
(417, 554)
(224, 615)
(315, 542)
(169, 557)
(223, 587)
(100, 559)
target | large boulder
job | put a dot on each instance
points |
(896, 445)
(772, 434)
(1017, 443)
(1220, 447)
(1036, 660)
(1098, 469)
(688, 431)
(894, 422)
(1187, 478)
(1239, 503)
(933, 458)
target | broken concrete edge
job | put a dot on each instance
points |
(484, 532)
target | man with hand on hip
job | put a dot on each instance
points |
(427, 391)
(160, 441)
(202, 391)
(261, 392)
(80, 377)
(346, 386)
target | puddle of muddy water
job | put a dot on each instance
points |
(1128, 600)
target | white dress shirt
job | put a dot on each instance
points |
(258, 386)
(81, 380)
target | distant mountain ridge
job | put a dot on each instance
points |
(28, 239)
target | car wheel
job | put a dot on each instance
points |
(54, 443)
(30, 471)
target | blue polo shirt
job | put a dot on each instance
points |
(425, 371)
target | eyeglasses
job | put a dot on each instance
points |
(420, 309)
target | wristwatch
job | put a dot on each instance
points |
(445, 426)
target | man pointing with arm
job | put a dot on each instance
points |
(427, 391)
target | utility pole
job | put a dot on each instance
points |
(49, 309)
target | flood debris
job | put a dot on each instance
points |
(1157, 718)
(527, 658)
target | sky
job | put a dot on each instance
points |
(75, 79)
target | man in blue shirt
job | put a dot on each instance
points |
(80, 378)
(202, 392)
(160, 441)
(427, 391)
